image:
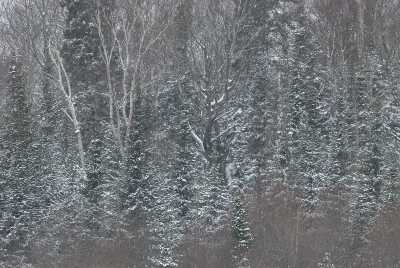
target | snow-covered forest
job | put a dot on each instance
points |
(199, 133)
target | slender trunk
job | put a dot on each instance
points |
(63, 80)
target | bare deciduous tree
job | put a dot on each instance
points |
(64, 84)
(133, 32)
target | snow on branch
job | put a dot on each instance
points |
(197, 138)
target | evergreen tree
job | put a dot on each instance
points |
(96, 171)
(308, 113)
(136, 183)
(182, 159)
(47, 139)
(82, 59)
(366, 174)
(165, 224)
(21, 190)
(184, 167)
(339, 155)
(81, 55)
(242, 237)
(57, 170)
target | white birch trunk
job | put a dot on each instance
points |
(63, 81)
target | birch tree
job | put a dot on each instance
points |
(62, 81)
(135, 29)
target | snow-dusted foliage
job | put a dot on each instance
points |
(204, 133)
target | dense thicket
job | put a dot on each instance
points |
(171, 133)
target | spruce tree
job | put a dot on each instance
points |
(367, 146)
(21, 190)
(136, 183)
(308, 115)
(165, 225)
(82, 59)
(81, 56)
(242, 237)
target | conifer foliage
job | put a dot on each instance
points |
(21, 191)
(181, 133)
(242, 237)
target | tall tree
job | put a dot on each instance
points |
(21, 189)
(81, 55)
(135, 180)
